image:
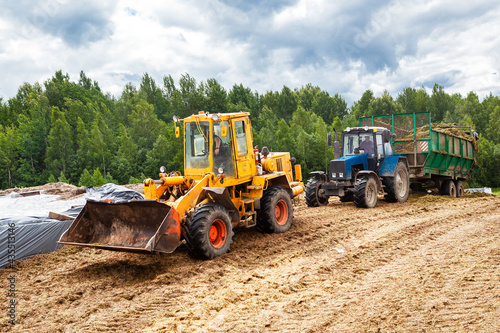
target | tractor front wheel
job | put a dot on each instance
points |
(366, 192)
(209, 232)
(315, 196)
(276, 211)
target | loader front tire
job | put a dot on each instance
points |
(209, 232)
(276, 211)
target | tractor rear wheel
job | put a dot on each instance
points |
(366, 192)
(398, 187)
(449, 188)
(460, 188)
(276, 211)
(315, 196)
(209, 232)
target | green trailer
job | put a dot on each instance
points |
(439, 156)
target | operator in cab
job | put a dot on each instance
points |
(367, 145)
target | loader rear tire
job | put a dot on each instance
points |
(365, 195)
(398, 187)
(209, 232)
(276, 211)
(314, 195)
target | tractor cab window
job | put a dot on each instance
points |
(351, 144)
(222, 149)
(197, 145)
(357, 143)
(380, 146)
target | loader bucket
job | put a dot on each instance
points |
(143, 226)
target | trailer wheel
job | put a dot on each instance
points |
(449, 188)
(398, 187)
(365, 194)
(276, 211)
(314, 195)
(460, 188)
(209, 232)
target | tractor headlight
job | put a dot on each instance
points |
(176, 119)
(221, 170)
(341, 174)
(334, 175)
(215, 117)
(162, 169)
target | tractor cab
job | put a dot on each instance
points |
(375, 142)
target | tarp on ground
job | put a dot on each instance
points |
(36, 233)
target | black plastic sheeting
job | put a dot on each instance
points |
(32, 235)
(113, 192)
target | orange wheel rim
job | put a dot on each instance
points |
(218, 233)
(281, 212)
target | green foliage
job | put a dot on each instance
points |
(98, 179)
(488, 158)
(51, 179)
(134, 180)
(66, 128)
(62, 178)
(86, 179)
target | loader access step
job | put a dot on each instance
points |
(143, 226)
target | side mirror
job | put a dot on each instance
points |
(223, 131)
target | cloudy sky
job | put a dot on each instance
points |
(344, 47)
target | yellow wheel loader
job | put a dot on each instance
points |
(227, 183)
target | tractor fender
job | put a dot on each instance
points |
(320, 174)
(389, 165)
(221, 196)
(369, 173)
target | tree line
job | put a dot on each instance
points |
(73, 132)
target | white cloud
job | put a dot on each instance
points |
(343, 48)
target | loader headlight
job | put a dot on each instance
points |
(162, 169)
(176, 119)
(215, 117)
(221, 170)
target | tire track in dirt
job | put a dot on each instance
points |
(398, 267)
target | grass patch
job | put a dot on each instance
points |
(496, 191)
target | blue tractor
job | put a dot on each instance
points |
(366, 168)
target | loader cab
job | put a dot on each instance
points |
(219, 144)
(375, 142)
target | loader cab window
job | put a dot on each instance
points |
(222, 150)
(197, 145)
(241, 137)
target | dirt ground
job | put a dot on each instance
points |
(431, 264)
